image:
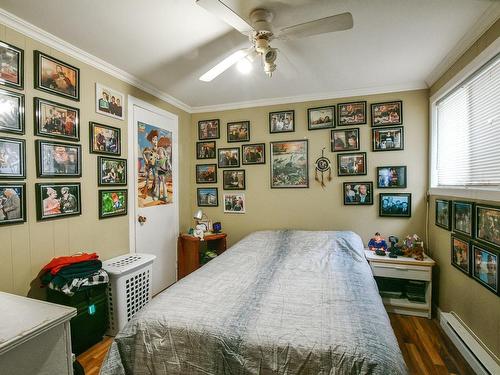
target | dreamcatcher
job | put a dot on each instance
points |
(323, 165)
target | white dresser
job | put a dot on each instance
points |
(34, 337)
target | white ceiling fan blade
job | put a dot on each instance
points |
(338, 22)
(225, 64)
(221, 10)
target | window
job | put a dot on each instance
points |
(467, 131)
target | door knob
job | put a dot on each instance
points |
(141, 219)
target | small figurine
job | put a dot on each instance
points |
(377, 243)
(200, 232)
(414, 247)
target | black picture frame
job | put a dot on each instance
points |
(39, 127)
(380, 147)
(6, 115)
(446, 204)
(395, 110)
(383, 211)
(487, 233)
(352, 197)
(253, 156)
(6, 50)
(20, 156)
(459, 218)
(337, 144)
(298, 167)
(206, 203)
(385, 180)
(42, 191)
(229, 184)
(94, 143)
(8, 204)
(284, 113)
(49, 85)
(101, 170)
(213, 180)
(346, 117)
(41, 162)
(202, 123)
(122, 210)
(221, 161)
(492, 281)
(453, 253)
(231, 139)
(342, 170)
(202, 154)
(322, 125)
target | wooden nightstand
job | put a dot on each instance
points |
(407, 269)
(189, 248)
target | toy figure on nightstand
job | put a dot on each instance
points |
(378, 244)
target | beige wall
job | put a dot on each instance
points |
(25, 248)
(317, 208)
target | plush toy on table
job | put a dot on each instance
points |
(200, 231)
(377, 243)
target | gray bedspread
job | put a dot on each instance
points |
(277, 302)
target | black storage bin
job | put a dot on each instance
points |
(90, 323)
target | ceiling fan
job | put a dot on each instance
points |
(260, 33)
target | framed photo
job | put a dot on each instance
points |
(207, 197)
(321, 118)
(485, 266)
(282, 122)
(109, 102)
(12, 203)
(11, 112)
(234, 179)
(443, 214)
(353, 113)
(55, 120)
(205, 150)
(345, 140)
(112, 203)
(206, 173)
(58, 200)
(234, 203)
(12, 66)
(229, 157)
(105, 139)
(351, 164)
(238, 131)
(387, 113)
(111, 171)
(12, 158)
(388, 139)
(56, 77)
(55, 159)
(254, 154)
(290, 164)
(358, 193)
(395, 204)
(391, 177)
(209, 129)
(463, 218)
(460, 254)
(488, 224)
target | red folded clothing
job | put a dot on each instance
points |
(56, 264)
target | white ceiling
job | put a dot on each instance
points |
(170, 43)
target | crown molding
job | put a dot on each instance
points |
(409, 86)
(34, 32)
(487, 19)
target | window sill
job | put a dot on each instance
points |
(472, 193)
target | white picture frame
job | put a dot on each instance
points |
(114, 108)
(232, 207)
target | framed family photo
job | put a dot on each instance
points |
(388, 139)
(351, 164)
(58, 200)
(460, 254)
(206, 150)
(56, 159)
(290, 164)
(12, 158)
(112, 203)
(12, 203)
(395, 204)
(234, 203)
(238, 131)
(12, 66)
(253, 154)
(105, 139)
(56, 77)
(387, 113)
(229, 157)
(11, 112)
(463, 218)
(443, 214)
(488, 224)
(109, 102)
(111, 171)
(358, 193)
(55, 120)
(345, 140)
(282, 122)
(207, 197)
(321, 118)
(353, 113)
(206, 173)
(209, 129)
(234, 179)
(485, 266)
(391, 177)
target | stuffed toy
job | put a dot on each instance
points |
(200, 231)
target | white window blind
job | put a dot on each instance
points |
(468, 130)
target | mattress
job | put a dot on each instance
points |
(277, 302)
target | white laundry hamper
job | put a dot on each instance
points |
(129, 288)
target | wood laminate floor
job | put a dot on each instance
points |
(425, 347)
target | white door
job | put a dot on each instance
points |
(154, 189)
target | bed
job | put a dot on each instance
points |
(277, 302)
